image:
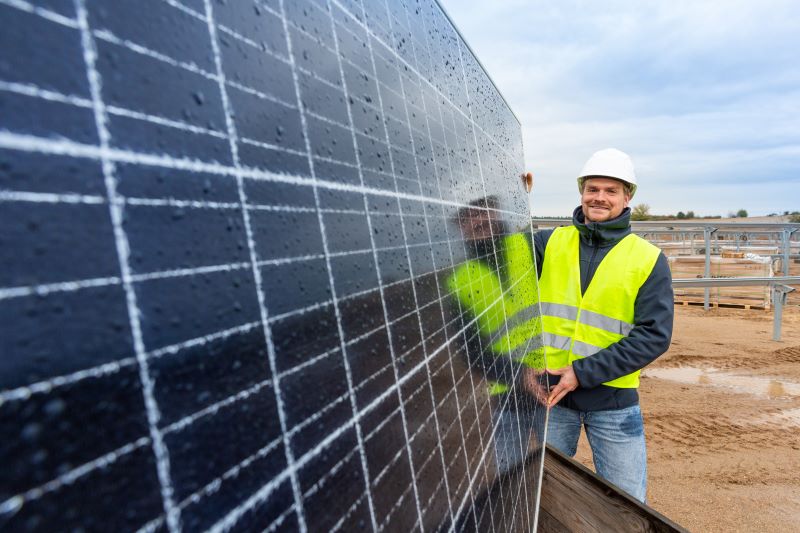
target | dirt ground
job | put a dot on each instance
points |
(722, 419)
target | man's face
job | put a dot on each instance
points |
(479, 224)
(603, 199)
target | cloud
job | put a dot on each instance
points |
(703, 95)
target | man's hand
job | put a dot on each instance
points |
(567, 383)
(534, 386)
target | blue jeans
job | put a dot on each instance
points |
(616, 437)
(513, 433)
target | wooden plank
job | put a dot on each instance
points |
(575, 499)
(548, 523)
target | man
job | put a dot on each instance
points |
(607, 310)
(496, 290)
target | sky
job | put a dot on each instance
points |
(703, 95)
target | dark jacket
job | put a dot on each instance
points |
(653, 315)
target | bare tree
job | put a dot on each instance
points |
(640, 212)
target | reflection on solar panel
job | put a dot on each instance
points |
(228, 230)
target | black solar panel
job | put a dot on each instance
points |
(228, 228)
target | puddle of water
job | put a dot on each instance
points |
(756, 385)
(788, 418)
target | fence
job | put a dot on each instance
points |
(712, 249)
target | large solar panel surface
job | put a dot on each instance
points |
(227, 230)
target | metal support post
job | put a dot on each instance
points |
(706, 291)
(787, 233)
(779, 293)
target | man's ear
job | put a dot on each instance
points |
(627, 200)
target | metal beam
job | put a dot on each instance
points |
(736, 282)
(779, 288)
(683, 225)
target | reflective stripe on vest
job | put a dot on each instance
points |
(505, 310)
(580, 325)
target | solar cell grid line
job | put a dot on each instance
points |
(235, 514)
(260, 47)
(485, 443)
(108, 36)
(13, 503)
(427, 228)
(376, 262)
(259, 94)
(438, 186)
(476, 418)
(411, 269)
(347, 514)
(177, 4)
(215, 407)
(122, 247)
(483, 182)
(232, 137)
(333, 291)
(270, 146)
(29, 89)
(45, 13)
(492, 431)
(430, 137)
(29, 143)
(36, 92)
(13, 292)
(424, 78)
(216, 484)
(383, 472)
(471, 479)
(417, 368)
(46, 386)
(161, 121)
(492, 426)
(394, 509)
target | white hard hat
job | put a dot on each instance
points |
(610, 163)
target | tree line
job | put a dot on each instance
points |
(642, 212)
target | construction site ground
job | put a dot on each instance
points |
(722, 419)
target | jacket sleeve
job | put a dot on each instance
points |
(650, 337)
(540, 239)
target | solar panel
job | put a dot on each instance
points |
(228, 233)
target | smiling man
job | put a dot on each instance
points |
(607, 310)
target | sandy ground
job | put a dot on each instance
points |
(722, 418)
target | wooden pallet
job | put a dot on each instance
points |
(723, 305)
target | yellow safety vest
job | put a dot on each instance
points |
(506, 312)
(578, 326)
